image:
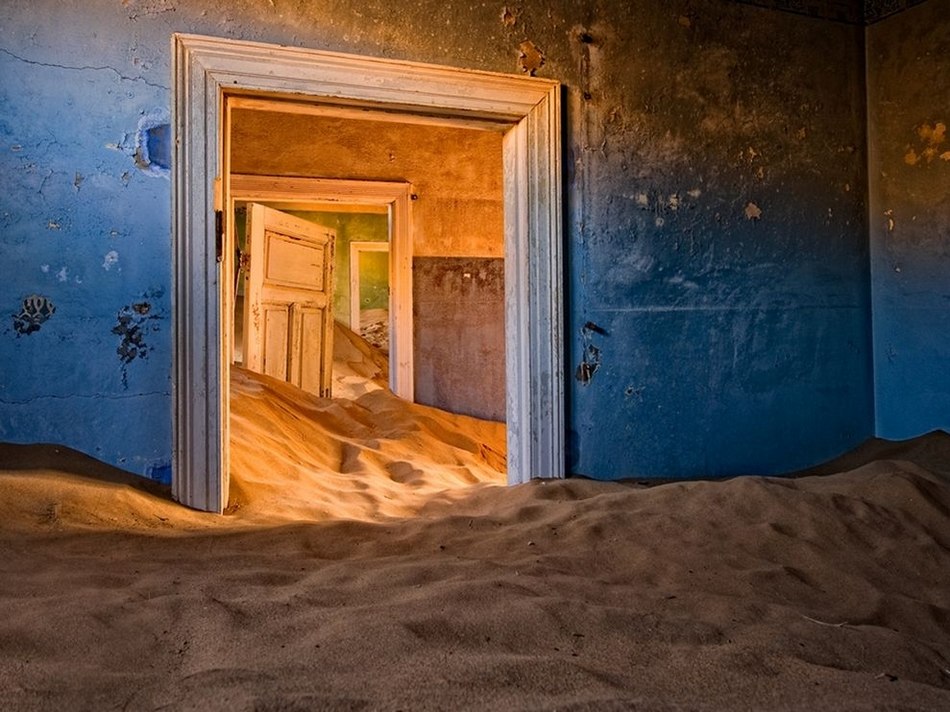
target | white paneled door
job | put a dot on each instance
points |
(288, 313)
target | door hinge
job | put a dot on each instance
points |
(219, 234)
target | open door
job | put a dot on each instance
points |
(288, 310)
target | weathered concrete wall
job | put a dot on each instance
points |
(909, 126)
(716, 233)
(718, 253)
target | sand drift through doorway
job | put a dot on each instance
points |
(206, 72)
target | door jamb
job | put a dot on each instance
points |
(204, 71)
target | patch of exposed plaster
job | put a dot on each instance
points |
(508, 17)
(753, 211)
(889, 214)
(930, 139)
(110, 260)
(34, 312)
(63, 274)
(530, 57)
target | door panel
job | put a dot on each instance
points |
(275, 335)
(307, 356)
(293, 263)
(288, 321)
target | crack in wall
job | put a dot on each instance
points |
(90, 396)
(83, 69)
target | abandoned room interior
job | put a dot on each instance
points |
(752, 263)
(590, 346)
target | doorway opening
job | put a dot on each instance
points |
(207, 71)
(322, 200)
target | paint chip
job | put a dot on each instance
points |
(110, 260)
(684, 21)
(531, 58)
(752, 211)
(933, 135)
(508, 18)
(62, 275)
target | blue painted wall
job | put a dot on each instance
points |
(716, 198)
(909, 112)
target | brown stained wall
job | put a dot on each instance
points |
(458, 230)
(456, 173)
(459, 312)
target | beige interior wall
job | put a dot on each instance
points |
(456, 172)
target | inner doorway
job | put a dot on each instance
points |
(313, 196)
(527, 110)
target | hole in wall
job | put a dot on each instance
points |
(153, 147)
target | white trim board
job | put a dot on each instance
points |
(204, 71)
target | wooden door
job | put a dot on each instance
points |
(288, 310)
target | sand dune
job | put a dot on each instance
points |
(374, 562)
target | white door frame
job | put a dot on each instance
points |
(204, 71)
(323, 194)
(356, 247)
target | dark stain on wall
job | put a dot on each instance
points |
(132, 326)
(33, 313)
(590, 360)
(459, 334)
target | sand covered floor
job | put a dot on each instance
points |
(398, 583)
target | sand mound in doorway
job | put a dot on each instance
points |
(817, 592)
(377, 456)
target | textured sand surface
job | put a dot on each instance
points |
(372, 560)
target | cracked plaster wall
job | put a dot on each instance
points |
(909, 119)
(716, 218)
